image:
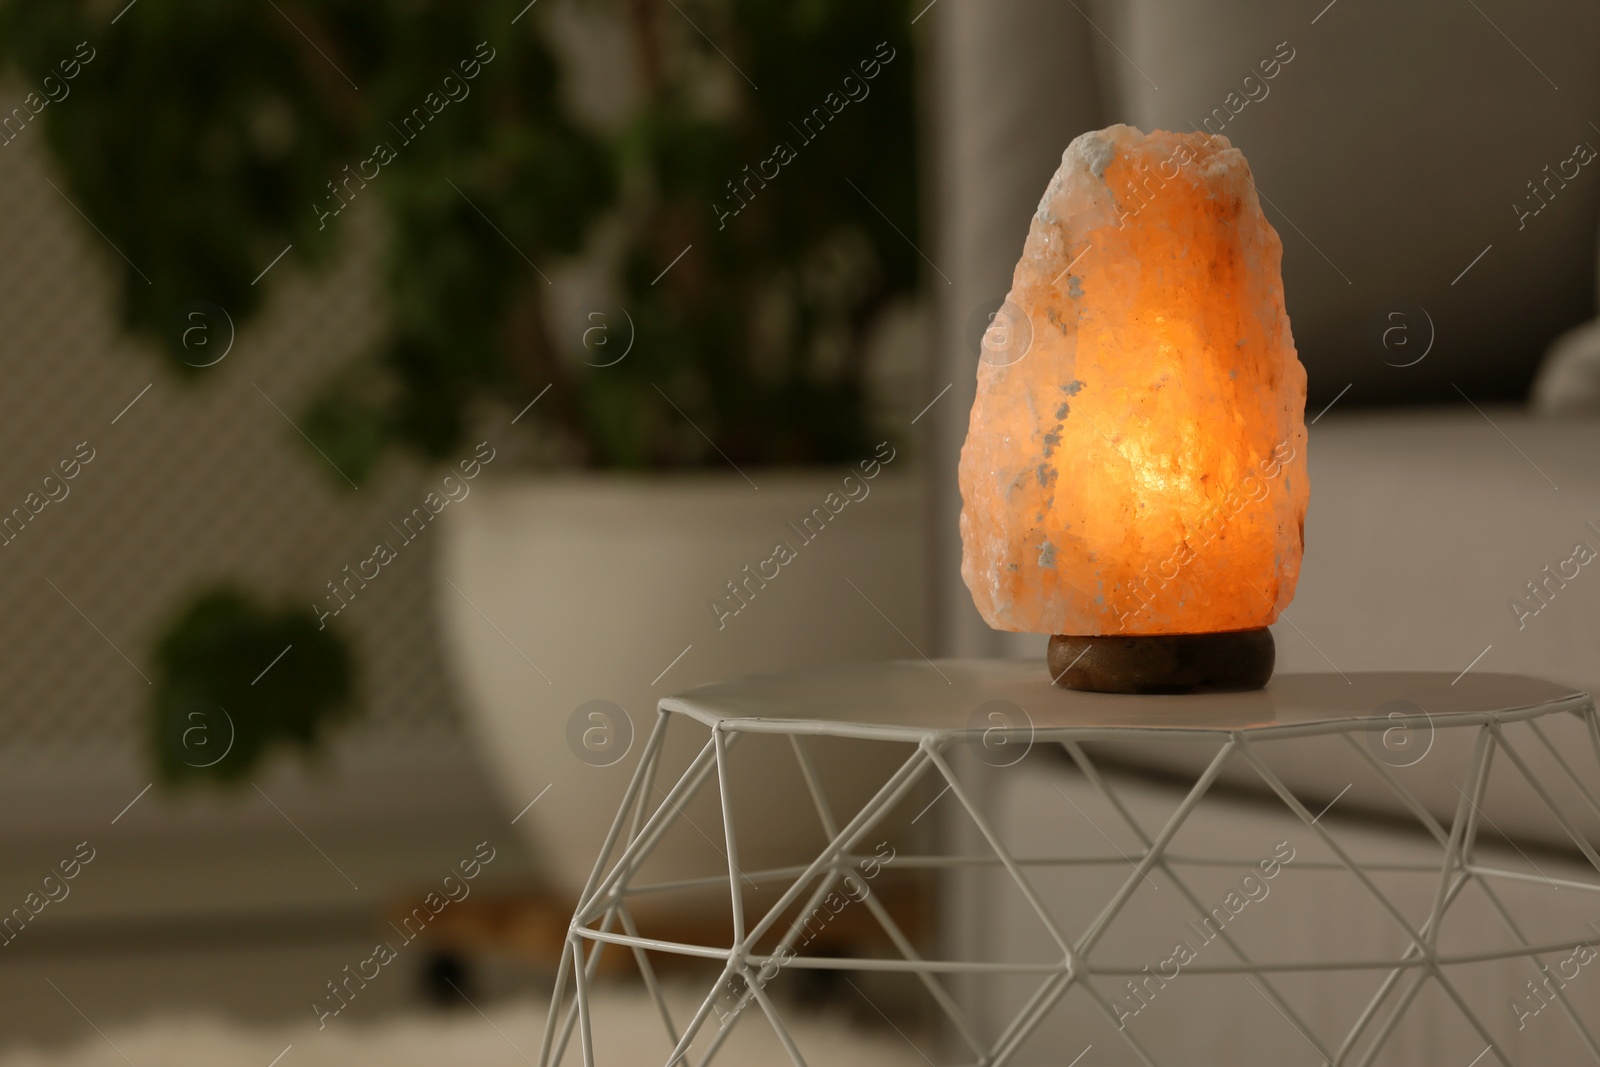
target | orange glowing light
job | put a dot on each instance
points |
(1135, 462)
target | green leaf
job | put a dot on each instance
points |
(238, 680)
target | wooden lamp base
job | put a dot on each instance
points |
(1163, 663)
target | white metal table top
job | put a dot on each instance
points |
(912, 699)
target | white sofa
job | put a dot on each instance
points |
(1425, 523)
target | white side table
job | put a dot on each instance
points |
(999, 709)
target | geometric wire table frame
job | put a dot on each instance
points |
(603, 917)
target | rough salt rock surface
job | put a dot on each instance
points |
(1135, 462)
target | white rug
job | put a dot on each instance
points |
(628, 1033)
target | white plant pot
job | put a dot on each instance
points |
(557, 592)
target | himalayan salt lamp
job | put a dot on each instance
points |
(1133, 479)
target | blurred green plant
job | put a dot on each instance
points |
(236, 680)
(205, 137)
